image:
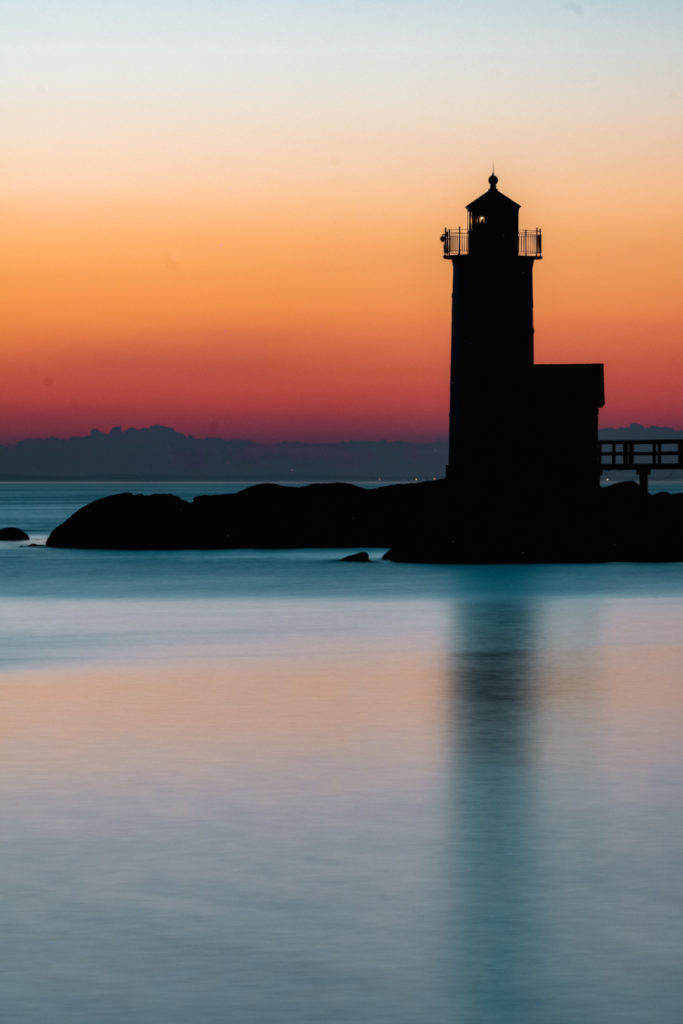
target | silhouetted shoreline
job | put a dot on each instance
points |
(420, 522)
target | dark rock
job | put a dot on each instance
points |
(12, 533)
(616, 523)
(264, 516)
(318, 515)
(422, 522)
(130, 521)
(360, 556)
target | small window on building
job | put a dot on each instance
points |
(480, 220)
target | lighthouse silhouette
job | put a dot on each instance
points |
(515, 424)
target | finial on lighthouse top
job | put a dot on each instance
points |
(493, 180)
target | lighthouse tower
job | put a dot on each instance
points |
(511, 421)
(492, 335)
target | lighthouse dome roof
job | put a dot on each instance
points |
(492, 200)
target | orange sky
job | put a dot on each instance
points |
(232, 227)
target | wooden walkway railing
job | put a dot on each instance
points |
(641, 456)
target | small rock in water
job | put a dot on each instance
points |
(12, 533)
(360, 556)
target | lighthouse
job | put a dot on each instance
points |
(513, 422)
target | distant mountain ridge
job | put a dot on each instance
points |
(158, 453)
(162, 453)
(636, 431)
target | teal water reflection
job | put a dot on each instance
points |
(263, 786)
(566, 760)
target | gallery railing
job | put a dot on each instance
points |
(456, 242)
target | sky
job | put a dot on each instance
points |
(224, 216)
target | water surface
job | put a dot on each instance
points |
(274, 787)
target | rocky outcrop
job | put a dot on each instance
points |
(423, 522)
(130, 521)
(12, 533)
(263, 516)
(615, 524)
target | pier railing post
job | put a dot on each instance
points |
(643, 473)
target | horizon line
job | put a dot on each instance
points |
(120, 430)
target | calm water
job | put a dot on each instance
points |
(273, 787)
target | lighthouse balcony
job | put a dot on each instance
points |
(456, 242)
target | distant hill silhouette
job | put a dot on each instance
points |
(636, 431)
(161, 453)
